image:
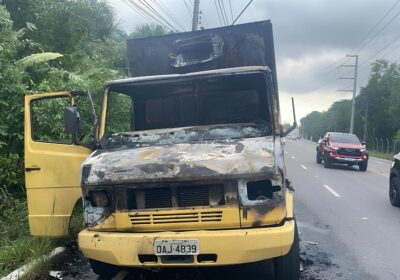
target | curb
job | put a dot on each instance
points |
(20, 272)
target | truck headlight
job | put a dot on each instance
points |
(97, 205)
(257, 193)
(99, 199)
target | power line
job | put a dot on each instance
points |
(381, 50)
(168, 13)
(143, 13)
(222, 13)
(188, 9)
(376, 25)
(376, 34)
(216, 8)
(157, 14)
(230, 7)
(223, 8)
(248, 4)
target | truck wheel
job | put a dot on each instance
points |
(104, 270)
(394, 191)
(363, 166)
(327, 162)
(319, 157)
(288, 267)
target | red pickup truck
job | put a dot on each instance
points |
(343, 148)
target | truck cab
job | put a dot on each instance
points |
(182, 170)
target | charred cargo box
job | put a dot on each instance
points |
(249, 44)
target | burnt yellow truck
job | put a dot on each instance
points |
(184, 168)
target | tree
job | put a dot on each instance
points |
(148, 30)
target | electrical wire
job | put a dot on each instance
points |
(375, 26)
(380, 31)
(222, 14)
(216, 8)
(248, 4)
(168, 13)
(188, 9)
(230, 7)
(157, 14)
(143, 13)
(223, 9)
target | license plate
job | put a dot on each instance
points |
(349, 159)
(165, 247)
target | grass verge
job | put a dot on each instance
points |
(17, 246)
(381, 155)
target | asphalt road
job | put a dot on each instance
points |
(348, 228)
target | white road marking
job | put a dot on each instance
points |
(331, 191)
(364, 218)
(316, 176)
(293, 157)
(302, 166)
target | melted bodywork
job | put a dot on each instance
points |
(244, 158)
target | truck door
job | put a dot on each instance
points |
(52, 163)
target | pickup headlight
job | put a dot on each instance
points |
(363, 150)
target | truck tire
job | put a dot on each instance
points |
(363, 166)
(288, 267)
(327, 162)
(319, 157)
(104, 270)
(394, 191)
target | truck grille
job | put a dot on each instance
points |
(175, 217)
(349, 152)
(158, 198)
(175, 196)
(193, 196)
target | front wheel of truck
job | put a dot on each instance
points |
(288, 267)
(104, 270)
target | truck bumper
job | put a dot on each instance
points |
(217, 247)
(347, 160)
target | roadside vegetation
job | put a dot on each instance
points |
(48, 45)
(382, 98)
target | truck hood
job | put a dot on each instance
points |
(242, 158)
(346, 145)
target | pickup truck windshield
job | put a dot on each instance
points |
(345, 138)
(167, 108)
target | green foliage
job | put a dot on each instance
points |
(148, 30)
(36, 58)
(46, 46)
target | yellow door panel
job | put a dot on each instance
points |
(52, 169)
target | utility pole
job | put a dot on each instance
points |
(365, 122)
(353, 102)
(196, 12)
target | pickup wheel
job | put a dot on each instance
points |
(327, 161)
(288, 267)
(363, 165)
(394, 191)
(319, 157)
(105, 270)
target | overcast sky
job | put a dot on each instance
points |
(312, 38)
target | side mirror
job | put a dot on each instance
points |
(72, 120)
(290, 129)
(325, 140)
(363, 143)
